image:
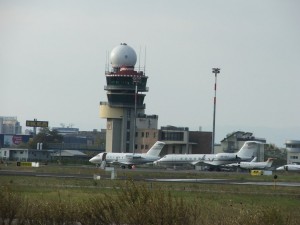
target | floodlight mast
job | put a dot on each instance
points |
(215, 71)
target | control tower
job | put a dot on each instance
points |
(125, 99)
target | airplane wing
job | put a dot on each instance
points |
(214, 163)
(195, 163)
(232, 165)
(120, 163)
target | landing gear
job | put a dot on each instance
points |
(128, 166)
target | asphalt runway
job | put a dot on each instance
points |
(226, 181)
(107, 176)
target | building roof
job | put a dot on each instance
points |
(69, 153)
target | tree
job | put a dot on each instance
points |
(46, 136)
(272, 151)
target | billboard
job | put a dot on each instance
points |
(10, 140)
(35, 123)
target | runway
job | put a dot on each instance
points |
(227, 181)
(107, 177)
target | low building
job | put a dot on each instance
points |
(176, 139)
(69, 155)
(179, 140)
(25, 155)
(293, 151)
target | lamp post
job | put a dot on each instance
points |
(136, 80)
(215, 71)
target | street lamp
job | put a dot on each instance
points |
(136, 80)
(215, 71)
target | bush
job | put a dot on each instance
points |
(10, 205)
(133, 203)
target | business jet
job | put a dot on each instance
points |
(289, 167)
(246, 153)
(128, 159)
(253, 164)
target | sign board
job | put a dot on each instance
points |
(35, 123)
(29, 164)
(256, 172)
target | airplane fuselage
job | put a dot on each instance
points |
(217, 159)
(250, 166)
(130, 158)
(289, 167)
(123, 158)
(253, 165)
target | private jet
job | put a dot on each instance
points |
(253, 164)
(128, 159)
(289, 167)
(246, 153)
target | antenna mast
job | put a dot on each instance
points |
(145, 61)
(140, 59)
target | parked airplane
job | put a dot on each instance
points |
(289, 167)
(247, 152)
(129, 159)
(253, 164)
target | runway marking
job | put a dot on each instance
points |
(186, 180)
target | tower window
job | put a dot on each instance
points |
(129, 113)
(128, 124)
(127, 136)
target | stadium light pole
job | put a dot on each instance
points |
(215, 71)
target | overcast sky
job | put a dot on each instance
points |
(52, 62)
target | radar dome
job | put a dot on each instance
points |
(123, 55)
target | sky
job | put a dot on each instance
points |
(53, 55)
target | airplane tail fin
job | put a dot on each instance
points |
(270, 162)
(254, 159)
(156, 148)
(248, 150)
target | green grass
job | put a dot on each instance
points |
(225, 202)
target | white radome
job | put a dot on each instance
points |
(123, 55)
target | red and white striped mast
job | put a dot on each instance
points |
(215, 71)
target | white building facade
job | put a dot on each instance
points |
(293, 151)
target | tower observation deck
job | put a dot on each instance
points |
(125, 98)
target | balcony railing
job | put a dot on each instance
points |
(125, 87)
(125, 105)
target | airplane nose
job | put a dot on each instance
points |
(93, 160)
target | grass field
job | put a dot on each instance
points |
(208, 203)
